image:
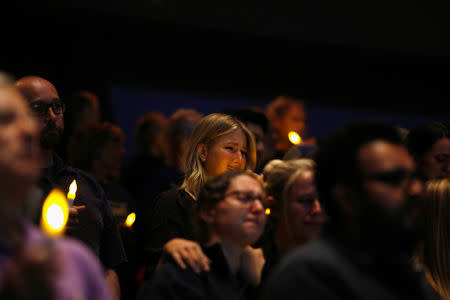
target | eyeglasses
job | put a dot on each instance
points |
(247, 198)
(40, 109)
(393, 178)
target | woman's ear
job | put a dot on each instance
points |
(202, 152)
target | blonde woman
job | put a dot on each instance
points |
(297, 216)
(434, 253)
(219, 143)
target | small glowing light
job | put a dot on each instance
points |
(72, 192)
(55, 217)
(267, 211)
(55, 213)
(294, 137)
(130, 219)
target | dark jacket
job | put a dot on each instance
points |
(97, 227)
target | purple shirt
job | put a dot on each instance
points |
(81, 274)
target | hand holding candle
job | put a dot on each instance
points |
(73, 210)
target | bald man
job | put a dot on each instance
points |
(92, 220)
(31, 267)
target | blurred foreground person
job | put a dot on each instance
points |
(434, 253)
(230, 212)
(368, 186)
(33, 266)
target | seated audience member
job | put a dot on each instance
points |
(287, 114)
(180, 126)
(433, 254)
(98, 149)
(143, 173)
(257, 122)
(91, 219)
(32, 265)
(296, 216)
(218, 144)
(231, 217)
(82, 107)
(429, 143)
(367, 185)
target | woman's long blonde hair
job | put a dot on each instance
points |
(208, 129)
(279, 179)
(434, 254)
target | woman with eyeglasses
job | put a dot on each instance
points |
(229, 217)
(296, 215)
(219, 143)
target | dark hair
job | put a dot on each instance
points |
(86, 144)
(421, 138)
(249, 115)
(337, 157)
(212, 193)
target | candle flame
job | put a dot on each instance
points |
(267, 211)
(130, 219)
(72, 190)
(55, 213)
(294, 138)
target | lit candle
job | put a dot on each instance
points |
(72, 193)
(55, 213)
(130, 220)
(294, 138)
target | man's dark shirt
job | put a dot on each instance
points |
(97, 227)
(335, 268)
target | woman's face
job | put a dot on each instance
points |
(239, 217)
(436, 161)
(228, 152)
(305, 216)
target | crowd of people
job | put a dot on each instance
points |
(225, 205)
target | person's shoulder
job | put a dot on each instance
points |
(316, 255)
(172, 197)
(183, 284)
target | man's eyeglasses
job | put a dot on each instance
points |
(40, 109)
(394, 178)
(247, 198)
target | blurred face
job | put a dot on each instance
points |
(304, 214)
(259, 141)
(228, 152)
(40, 93)
(436, 161)
(19, 150)
(391, 192)
(111, 159)
(293, 120)
(239, 217)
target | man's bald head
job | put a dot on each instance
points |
(32, 86)
(40, 93)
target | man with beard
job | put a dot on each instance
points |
(367, 184)
(91, 219)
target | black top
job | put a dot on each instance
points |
(170, 217)
(97, 227)
(171, 282)
(334, 268)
